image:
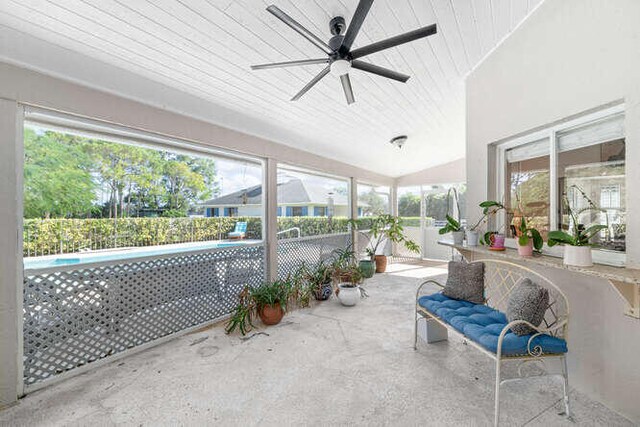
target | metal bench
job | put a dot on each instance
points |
(490, 332)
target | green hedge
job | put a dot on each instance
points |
(55, 236)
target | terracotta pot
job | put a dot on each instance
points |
(381, 263)
(526, 250)
(271, 314)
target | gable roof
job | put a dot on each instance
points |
(292, 192)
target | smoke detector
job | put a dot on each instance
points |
(398, 141)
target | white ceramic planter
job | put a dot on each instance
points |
(348, 295)
(472, 238)
(577, 256)
(458, 237)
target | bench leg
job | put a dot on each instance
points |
(415, 329)
(565, 387)
(496, 414)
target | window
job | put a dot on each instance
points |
(527, 187)
(580, 163)
(409, 205)
(440, 201)
(310, 203)
(593, 178)
(373, 200)
(319, 211)
(232, 212)
(87, 191)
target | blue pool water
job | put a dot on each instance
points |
(126, 253)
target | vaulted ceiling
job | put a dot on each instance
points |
(204, 48)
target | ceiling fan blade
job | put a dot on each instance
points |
(381, 71)
(354, 26)
(394, 41)
(275, 11)
(346, 86)
(290, 63)
(309, 85)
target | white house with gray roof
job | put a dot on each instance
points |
(295, 198)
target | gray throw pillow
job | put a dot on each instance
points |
(528, 301)
(465, 281)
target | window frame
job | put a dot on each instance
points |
(550, 133)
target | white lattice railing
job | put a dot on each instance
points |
(293, 253)
(75, 317)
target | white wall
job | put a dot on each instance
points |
(445, 173)
(568, 57)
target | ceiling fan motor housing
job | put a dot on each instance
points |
(337, 25)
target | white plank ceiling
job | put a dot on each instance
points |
(205, 48)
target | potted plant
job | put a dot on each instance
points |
(268, 301)
(386, 228)
(577, 248)
(529, 239)
(368, 265)
(489, 208)
(319, 279)
(453, 225)
(349, 291)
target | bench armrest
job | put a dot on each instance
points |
(427, 282)
(535, 351)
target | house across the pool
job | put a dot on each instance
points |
(295, 198)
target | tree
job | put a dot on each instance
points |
(57, 176)
(188, 181)
(375, 204)
(409, 205)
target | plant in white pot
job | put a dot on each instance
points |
(453, 226)
(576, 241)
(489, 208)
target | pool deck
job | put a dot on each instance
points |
(324, 365)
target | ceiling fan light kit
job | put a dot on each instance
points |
(340, 59)
(398, 141)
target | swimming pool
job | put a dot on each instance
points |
(78, 259)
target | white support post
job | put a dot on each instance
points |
(271, 218)
(11, 163)
(353, 210)
(393, 210)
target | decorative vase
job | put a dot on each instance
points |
(577, 256)
(526, 250)
(349, 294)
(324, 292)
(367, 267)
(458, 237)
(381, 263)
(472, 238)
(271, 314)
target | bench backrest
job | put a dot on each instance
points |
(241, 227)
(500, 278)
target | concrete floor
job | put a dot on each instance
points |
(327, 365)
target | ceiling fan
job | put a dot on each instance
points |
(340, 58)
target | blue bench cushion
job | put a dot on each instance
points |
(482, 324)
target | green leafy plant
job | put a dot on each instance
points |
(251, 300)
(577, 234)
(526, 234)
(318, 275)
(451, 226)
(386, 227)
